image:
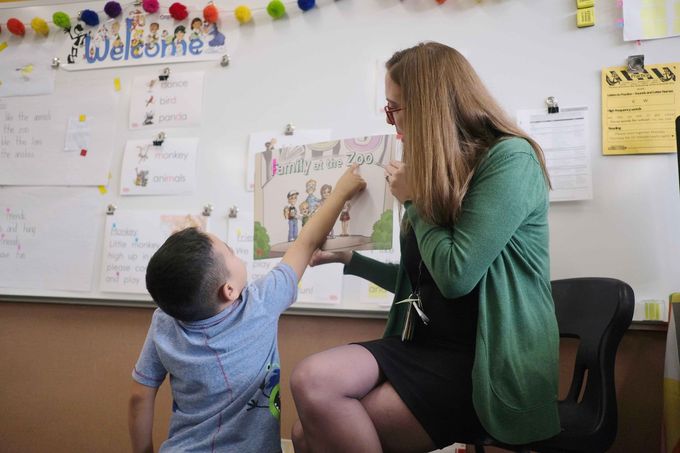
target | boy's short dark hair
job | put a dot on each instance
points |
(184, 276)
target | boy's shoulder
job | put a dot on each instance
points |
(278, 285)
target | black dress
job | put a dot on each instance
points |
(432, 373)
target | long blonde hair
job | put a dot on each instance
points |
(450, 122)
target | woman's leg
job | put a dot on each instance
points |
(398, 429)
(327, 388)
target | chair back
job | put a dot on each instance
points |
(597, 311)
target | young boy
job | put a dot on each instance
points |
(215, 335)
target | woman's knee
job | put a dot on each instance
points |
(307, 378)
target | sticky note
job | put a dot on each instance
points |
(102, 190)
(116, 84)
(584, 3)
(3, 46)
(585, 17)
(81, 118)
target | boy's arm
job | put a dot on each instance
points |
(315, 231)
(140, 417)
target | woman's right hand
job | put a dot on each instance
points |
(324, 257)
(350, 183)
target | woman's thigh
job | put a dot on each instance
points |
(347, 371)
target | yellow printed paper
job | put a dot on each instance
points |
(639, 110)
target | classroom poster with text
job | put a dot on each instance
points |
(159, 104)
(131, 238)
(136, 37)
(168, 168)
(48, 237)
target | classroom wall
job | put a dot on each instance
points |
(65, 375)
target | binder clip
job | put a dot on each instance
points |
(636, 64)
(553, 107)
(111, 209)
(224, 61)
(207, 210)
(290, 129)
(56, 62)
(160, 138)
(233, 212)
(164, 76)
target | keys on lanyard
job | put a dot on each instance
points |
(415, 308)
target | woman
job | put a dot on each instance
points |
(471, 343)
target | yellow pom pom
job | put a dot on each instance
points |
(243, 14)
(40, 26)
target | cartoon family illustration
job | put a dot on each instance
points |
(308, 207)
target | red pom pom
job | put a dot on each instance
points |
(150, 6)
(210, 13)
(441, 2)
(16, 27)
(178, 11)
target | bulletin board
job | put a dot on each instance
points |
(319, 70)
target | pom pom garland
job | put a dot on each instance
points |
(61, 20)
(210, 13)
(90, 17)
(243, 14)
(306, 5)
(40, 26)
(16, 27)
(178, 11)
(113, 9)
(276, 9)
(150, 6)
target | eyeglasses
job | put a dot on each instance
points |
(389, 111)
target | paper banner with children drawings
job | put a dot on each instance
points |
(175, 102)
(138, 38)
(131, 238)
(292, 182)
(165, 169)
(319, 285)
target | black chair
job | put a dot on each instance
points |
(598, 312)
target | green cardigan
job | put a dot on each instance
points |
(500, 244)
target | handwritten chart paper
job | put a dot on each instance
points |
(26, 65)
(48, 237)
(131, 238)
(167, 169)
(175, 102)
(33, 138)
(562, 136)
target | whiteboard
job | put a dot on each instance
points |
(321, 70)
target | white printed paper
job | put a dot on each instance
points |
(78, 134)
(131, 238)
(175, 102)
(562, 136)
(166, 169)
(48, 237)
(650, 19)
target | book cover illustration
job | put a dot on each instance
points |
(292, 182)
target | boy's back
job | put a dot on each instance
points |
(224, 370)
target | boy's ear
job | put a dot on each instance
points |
(228, 293)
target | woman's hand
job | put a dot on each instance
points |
(323, 257)
(395, 174)
(350, 183)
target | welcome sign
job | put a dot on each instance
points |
(138, 38)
